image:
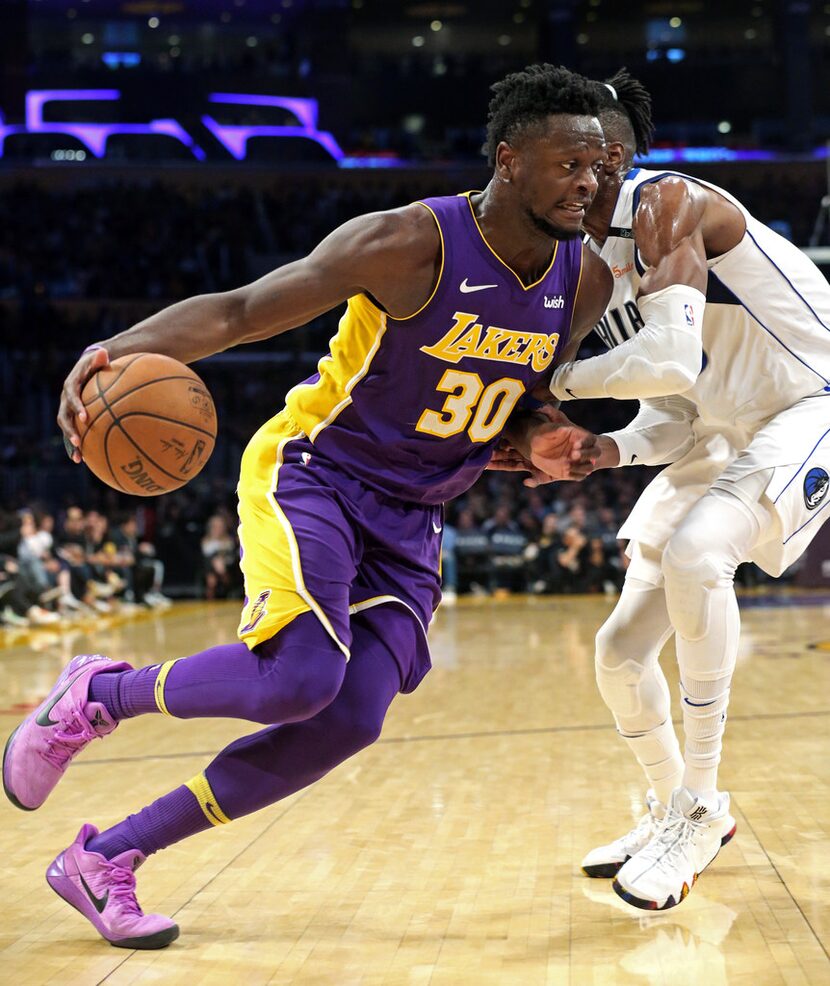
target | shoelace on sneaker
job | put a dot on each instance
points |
(673, 837)
(64, 743)
(121, 884)
(645, 827)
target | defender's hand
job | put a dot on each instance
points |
(562, 450)
(71, 408)
(508, 459)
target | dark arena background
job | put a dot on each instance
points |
(154, 151)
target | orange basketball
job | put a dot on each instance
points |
(151, 425)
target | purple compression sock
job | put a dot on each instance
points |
(125, 694)
(177, 815)
(273, 763)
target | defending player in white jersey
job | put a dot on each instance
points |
(712, 305)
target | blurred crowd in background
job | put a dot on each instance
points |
(81, 563)
(156, 241)
(73, 562)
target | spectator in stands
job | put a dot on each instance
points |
(150, 569)
(449, 566)
(221, 558)
(35, 584)
(70, 547)
(544, 570)
(12, 604)
(472, 552)
(507, 544)
(138, 570)
(572, 560)
(107, 563)
(600, 574)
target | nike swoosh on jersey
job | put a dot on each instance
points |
(99, 903)
(436, 528)
(43, 717)
(466, 288)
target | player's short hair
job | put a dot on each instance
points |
(523, 100)
(628, 100)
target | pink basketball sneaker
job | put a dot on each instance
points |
(40, 749)
(103, 890)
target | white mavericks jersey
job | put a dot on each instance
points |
(766, 348)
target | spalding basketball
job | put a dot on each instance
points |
(151, 424)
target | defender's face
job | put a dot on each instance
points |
(556, 173)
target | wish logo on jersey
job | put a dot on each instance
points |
(816, 484)
(468, 337)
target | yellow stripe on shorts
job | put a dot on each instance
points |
(158, 689)
(207, 800)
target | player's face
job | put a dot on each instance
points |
(556, 173)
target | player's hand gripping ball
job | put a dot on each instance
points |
(151, 424)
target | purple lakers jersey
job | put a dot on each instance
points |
(412, 406)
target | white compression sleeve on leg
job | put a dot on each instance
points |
(662, 432)
(633, 686)
(663, 358)
(698, 566)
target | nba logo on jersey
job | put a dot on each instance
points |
(816, 483)
(688, 311)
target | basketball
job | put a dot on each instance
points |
(151, 425)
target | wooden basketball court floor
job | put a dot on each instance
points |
(448, 853)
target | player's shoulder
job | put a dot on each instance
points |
(410, 229)
(675, 202)
(669, 192)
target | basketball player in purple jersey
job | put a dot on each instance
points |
(457, 307)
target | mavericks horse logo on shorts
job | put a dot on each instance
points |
(816, 483)
(258, 610)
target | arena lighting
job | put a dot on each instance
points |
(93, 136)
(233, 138)
(702, 155)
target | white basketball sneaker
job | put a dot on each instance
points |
(605, 861)
(687, 840)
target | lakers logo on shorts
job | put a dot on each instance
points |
(258, 610)
(816, 484)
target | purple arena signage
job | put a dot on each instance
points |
(233, 138)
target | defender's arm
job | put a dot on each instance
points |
(666, 354)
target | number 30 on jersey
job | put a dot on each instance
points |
(482, 411)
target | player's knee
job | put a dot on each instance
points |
(621, 641)
(355, 727)
(364, 729)
(691, 575)
(313, 688)
(296, 685)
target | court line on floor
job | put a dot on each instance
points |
(215, 876)
(781, 878)
(484, 734)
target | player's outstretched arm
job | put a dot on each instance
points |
(666, 354)
(392, 255)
